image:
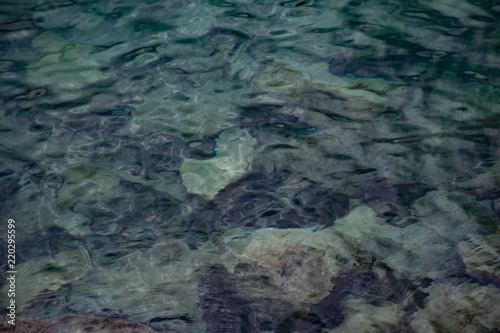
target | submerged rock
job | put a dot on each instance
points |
(289, 270)
(234, 155)
(294, 265)
(426, 248)
(467, 307)
(85, 183)
(73, 323)
(157, 285)
(368, 318)
(481, 256)
(63, 66)
(48, 273)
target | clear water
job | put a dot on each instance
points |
(254, 166)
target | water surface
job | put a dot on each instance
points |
(253, 166)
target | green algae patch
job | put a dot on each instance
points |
(234, 156)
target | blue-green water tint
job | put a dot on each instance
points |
(254, 166)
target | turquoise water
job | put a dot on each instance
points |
(253, 166)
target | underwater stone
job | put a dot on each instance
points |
(295, 265)
(62, 66)
(75, 224)
(455, 215)
(481, 256)
(77, 324)
(208, 108)
(467, 307)
(222, 310)
(368, 318)
(158, 282)
(297, 80)
(87, 182)
(234, 155)
(411, 252)
(360, 221)
(48, 273)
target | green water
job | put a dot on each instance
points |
(254, 166)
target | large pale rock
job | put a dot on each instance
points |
(295, 265)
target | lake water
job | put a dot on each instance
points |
(251, 166)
